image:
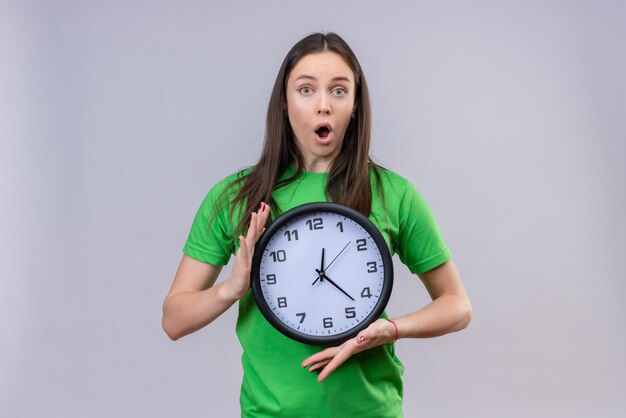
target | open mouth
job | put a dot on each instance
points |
(323, 132)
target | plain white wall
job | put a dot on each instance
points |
(116, 118)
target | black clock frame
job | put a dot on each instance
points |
(311, 209)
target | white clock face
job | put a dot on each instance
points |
(322, 274)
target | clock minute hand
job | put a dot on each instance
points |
(328, 266)
(319, 276)
(335, 284)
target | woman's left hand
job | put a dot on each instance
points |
(379, 332)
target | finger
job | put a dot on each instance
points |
(259, 223)
(317, 358)
(252, 229)
(337, 361)
(319, 365)
(324, 355)
(264, 214)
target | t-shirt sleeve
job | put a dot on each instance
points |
(210, 238)
(419, 243)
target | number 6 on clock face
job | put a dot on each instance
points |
(321, 273)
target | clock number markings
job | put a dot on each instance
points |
(366, 293)
(328, 322)
(279, 256)
(361, 245)
(302, 315)
(282, 302)
(371, 267)
(350, 312)
(315, 223)
(291, 234)
(270, 279)
(340, 226)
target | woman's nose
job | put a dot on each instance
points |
(323, 106)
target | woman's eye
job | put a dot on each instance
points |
(305, 90)
(340, 91)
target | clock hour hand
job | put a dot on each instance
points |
(333, 283)
(319, 277)
(342, 250)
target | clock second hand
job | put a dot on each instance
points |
(321, 273)
(329, 264)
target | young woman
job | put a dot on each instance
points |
(316, 149)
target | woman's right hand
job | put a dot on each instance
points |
(238, 283)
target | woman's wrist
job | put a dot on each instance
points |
(227, 293)
(392, 330)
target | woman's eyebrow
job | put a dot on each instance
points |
(335, 79)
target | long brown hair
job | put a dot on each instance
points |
(349, 173)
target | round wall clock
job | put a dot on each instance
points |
(321, 273)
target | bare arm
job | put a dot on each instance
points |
(193, 302)
(449, 311)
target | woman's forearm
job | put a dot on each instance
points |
(448, 313)
(187, 312)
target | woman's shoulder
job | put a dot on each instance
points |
(390, 178)
(229, 180)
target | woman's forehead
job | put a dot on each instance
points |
(325, 66)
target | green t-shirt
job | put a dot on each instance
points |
(274, 384)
